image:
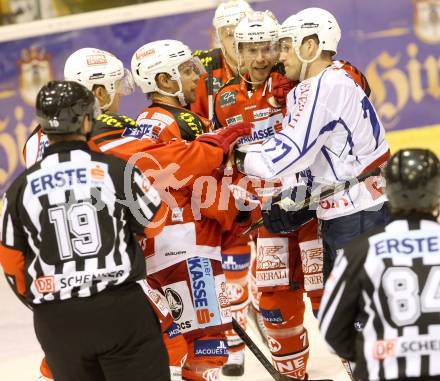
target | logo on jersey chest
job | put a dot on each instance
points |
(234, 119)
(66, 178)
(264, 128)
(203, 291)
(150, 129)
(263, 113)
(228, 99)
(257, 135)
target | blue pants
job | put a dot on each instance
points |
(338, 232)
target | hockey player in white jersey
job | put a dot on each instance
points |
(381, 306)
(331, 133)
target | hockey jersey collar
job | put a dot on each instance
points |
(65, 147)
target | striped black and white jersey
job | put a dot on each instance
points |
(381, 305)
(69, 222)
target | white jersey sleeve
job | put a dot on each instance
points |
(331, 129)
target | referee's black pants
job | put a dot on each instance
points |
(111, 336)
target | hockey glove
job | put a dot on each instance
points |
(278, 220)
(226, 137)
(281, 88)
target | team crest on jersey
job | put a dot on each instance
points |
(35, 68)
(427, 20)
(228, 99)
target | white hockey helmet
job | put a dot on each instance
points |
(257, 27)
(309, 22)
(312, 21)
(230, 13)
(90, 67)
(163, 56)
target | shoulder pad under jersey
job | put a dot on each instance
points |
(211, 58)
(110, 121)
(233, 81)
(189, 123)
(355, 74)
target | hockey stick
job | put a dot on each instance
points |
(289, 205)
(210, 86)
(277, 376)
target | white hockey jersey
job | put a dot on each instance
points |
(331, 129)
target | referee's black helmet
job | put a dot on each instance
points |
(62, 105)
(413, 180)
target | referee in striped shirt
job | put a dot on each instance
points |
(68, 248)
(381, 305)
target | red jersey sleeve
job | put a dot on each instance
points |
(178, 158)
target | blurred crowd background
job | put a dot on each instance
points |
(18, 11)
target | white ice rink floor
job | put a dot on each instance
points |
(20, 353)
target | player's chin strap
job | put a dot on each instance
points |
(305, 62)
(239, 66)
(179, 93)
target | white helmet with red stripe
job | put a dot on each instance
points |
(91, 67)
(163, 56)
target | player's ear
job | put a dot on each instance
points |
(164, 81)
(101, 94)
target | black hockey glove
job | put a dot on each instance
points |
(279, 220)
